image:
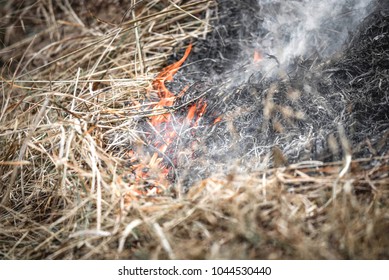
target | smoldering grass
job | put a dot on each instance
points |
(72, 109)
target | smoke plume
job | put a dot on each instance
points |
(308, 28)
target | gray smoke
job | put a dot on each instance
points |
(274, 111)
(308, 27)
(280, 110)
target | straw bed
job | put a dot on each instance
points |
(77, 81)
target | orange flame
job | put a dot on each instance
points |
(166, 97)
(167, 74)
(196, 111)
(163, 125)
(217, 120)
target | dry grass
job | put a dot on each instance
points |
(74, 86)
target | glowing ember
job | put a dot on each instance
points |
(257, 56)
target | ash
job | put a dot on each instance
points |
(319, 101)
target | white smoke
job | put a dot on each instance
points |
(308, 27)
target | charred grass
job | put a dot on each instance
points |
(76, 81)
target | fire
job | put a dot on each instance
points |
(162, 123)
(166, 97)
(152, 174)
(167, 74)
(165, 132)
(218, 119)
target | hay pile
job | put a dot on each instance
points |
(76, 83)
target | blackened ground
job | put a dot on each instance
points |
(362, 74)
(313, 109)
(235, 29)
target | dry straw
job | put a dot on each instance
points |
(74, 83)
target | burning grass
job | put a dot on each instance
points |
(78, 180)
